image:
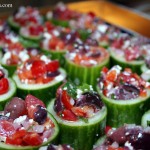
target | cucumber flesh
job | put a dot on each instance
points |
(42, 91)
(4, 98)
(125, 111)
(145, 121)
(52, 139)
(79, 134)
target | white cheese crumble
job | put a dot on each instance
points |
(49, 15)
(6, 56)
(20, 119)
(8, 114)
(146, 75)
(102, 28)
(2, 138)
(79, 93)
(23, 55)
(127, 144)
(45, 140)
(45, 59)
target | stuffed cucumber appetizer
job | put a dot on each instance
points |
(125, 94)
(127, 137)
(23, 16)
(84, 63)
(14, 55)
(127, 52)
(26, 124)
(80, 113)
(61, 15)
(39, 76)
(31, 35)
(7, 88)
(56, 147)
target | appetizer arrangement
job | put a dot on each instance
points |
(69, 79)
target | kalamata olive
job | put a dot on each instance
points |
(2, 117)
(90, 99)
(16, 107)
(51, 147)
(95, 54)
(118, 135)
(40, 115)
(58, 107)
(53, 74)
(126, 92)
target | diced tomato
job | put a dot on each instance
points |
(38, 68)
(33, 139)
(60, 45)
(65, 98)
(118, 43)
(52, 43)
(111, 75)
(105, 70)
(15, 46)
(143, 93)
(91, 14)
(52, 66)
(78, 111)
(43, 80)
(4, 85)
(107, 128)
(128, 70)
(16, 138)
(36, 30)
(49, 26)
(69, 115)
(31, 103)
(6, 128)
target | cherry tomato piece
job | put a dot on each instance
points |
(69, 115)
(4, 85)
(52, 66)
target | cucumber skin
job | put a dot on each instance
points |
(3, 103)
(11, 69)
(55, 55)
(134, 67)
(80, 137)
(13, 25)
(52, 140)
(61, 23)
(119, 114)
(79, 74)
(43, 94)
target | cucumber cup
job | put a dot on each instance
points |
(83, 68)
(78, 128)
(126, 101)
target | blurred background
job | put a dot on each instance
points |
(140, 5)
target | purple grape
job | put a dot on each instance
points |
(40, 115)
(95, 54)
(15, 104)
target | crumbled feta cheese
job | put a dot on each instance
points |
(56, 33)
(45, 140)
(23, 55)
(8, 114)
(127, 144)
(72, 101)
(49, 15)
(91, 88)
(117, 68)
(2, 138)
(6, 56)
(28, 67)
(47, 35)
(59, 78)
(102, 28)
(20, 119)
(65, 88)
(45, 59)
(79, 93)
(31, 121)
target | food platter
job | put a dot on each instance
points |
(87, 64)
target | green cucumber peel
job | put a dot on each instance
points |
(52, 139)
(125, 111)
(80, 134)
